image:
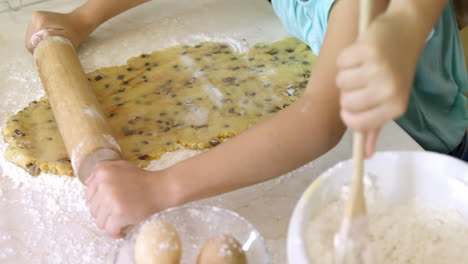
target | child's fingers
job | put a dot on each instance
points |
(40, 35)
(91, 178)
(368, 120)
(29, 32)
(371, 142)
(95, 179)
(352, 56)
(361, 100)
(354, 78)
(95, 207)
(102, 217)
(92, 187)
(114, 226)
(90, 193)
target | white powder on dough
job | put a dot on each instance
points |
(400, 235)
(196, 116)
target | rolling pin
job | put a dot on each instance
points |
(77, 112)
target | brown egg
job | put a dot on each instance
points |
(158, 243)
(222, 249)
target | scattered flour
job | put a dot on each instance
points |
(400, 235)
(45, 219)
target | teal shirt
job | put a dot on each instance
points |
(437, 115)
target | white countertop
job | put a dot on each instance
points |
(154, 25)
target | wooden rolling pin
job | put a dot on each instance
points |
(80, 120)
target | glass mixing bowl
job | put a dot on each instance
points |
(195, 225)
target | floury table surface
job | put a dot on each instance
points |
(45, 220)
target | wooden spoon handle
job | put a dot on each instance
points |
(357, 204)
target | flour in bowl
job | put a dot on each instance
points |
(411, 234)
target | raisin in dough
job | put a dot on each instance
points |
(181, 97)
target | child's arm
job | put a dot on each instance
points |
(377, 71)
(121, 194)
(76, 25)
(461, 8)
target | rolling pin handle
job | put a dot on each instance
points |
(78, 114)
(88, 164)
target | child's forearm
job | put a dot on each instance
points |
(272, 148)
(417, 17)
(96, 12)
(300, 133)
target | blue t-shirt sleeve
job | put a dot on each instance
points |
(306, 20)
(316, 35)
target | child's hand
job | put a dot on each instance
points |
(120, 194)
(43, 24)
(375, 77)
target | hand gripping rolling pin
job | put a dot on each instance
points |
(80, 120)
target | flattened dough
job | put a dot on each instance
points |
(182, 96)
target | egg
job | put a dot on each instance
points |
(158, 243)
(222, 249)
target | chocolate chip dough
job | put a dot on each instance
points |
(181, 97)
